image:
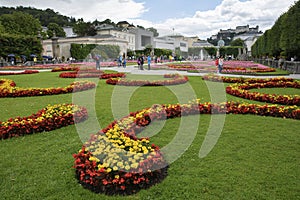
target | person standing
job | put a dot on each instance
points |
(221, 62)
(149, 61)
(141, 61)
(124, 61)
(97, 59)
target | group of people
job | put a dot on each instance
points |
(219, 63)
(122, 61)
(141, 59)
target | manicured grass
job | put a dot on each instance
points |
(254, 158)
(278, 91)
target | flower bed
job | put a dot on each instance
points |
(90, 74)
(241, 90)
(175, 80)
(224, 79)
(8, 89)
(47, 119)
(116, 161)
(19, 73)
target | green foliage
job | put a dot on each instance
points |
(211, 50)
(82, 28)
(238, 42)
(154, 31)
(20, 23)
(19, 45)
(232, 51)
(283, 38)
(44, 16)
(81, 51)
(53, 27)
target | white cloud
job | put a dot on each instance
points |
(229, 14)
(89, 10)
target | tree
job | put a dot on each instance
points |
(237, 43)
(154, 31)
(20, 23)
(82, 28)
(53, 27)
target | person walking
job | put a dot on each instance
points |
(149, 61)
(221, 62)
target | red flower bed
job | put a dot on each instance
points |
(47, 119)
(90, 74)
(19, 73)
(104, 164)
(8, 89)
(243, 80)
(241, 90)
(175, 80)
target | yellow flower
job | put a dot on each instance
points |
(108, 170)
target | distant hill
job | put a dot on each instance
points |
(45, 16)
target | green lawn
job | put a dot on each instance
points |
(254, 158)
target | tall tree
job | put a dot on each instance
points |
(55, 28)
(154, 31)
(237, 43)
(20, 23)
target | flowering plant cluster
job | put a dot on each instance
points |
(241, 90)
(47, 119)
(19, 73)
(245, 67)
(8, 89)
(215, 78)
(90, 74)
(116, 161)
(65, 68)
(175, 80)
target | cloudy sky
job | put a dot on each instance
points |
(201, 18)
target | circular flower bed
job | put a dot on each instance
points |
(47, 119)
(116, 161)
(8, 89)
(175, 80)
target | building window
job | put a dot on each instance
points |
(182, 44)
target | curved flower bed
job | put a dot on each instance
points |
(175, 80)
(116, 161)
(47, 119)
(224, 79)
(241, 90)
(8, 89)
(90, 74)
(19, 73)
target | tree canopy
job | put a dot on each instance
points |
(20, 23)
(283, 39)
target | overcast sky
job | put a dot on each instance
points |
(201, 18)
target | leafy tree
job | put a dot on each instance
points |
(20, 23)
(53, 27)
(237, 43)
(19, 45)
(82, 28)
(154, 31)
(44, 16)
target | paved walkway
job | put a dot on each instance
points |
(135, 70)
